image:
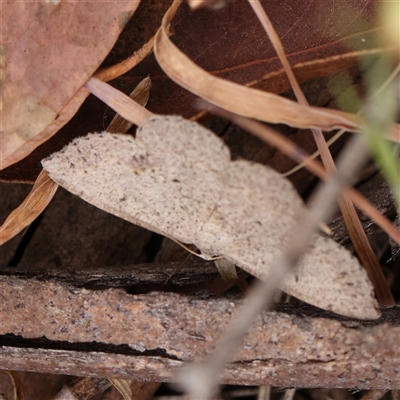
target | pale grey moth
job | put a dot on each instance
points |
(176, 178)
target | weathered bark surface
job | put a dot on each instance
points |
(137, 278)
(60, 328)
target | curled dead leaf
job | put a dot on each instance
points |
(237, 98)
(40, 196)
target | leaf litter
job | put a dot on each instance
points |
(237, 98)
(207, 221)
(45, 188)
(205, 234)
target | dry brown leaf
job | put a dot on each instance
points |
(73, 105)
(48, 51)
(230, 44)
(40, 196)
(240, 99)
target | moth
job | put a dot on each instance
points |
(177, 178)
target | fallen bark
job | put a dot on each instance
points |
(51, 326)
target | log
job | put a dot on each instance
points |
(55, 327)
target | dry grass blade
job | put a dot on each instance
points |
(264, 393)
(297, 154)
(240, 99)
(374, 395)
(113, 72)
(313, 156)
(40, 196)
(289, 394)
(141, 95)
(123, 387)
(393, 134)
(350, 217)
(17, 385)
(118, 101)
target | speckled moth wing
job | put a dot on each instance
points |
(166, 180)
(176, 178)
(329, 273)
(190, 160)
(252, 226)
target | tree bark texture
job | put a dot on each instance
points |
(55, 327)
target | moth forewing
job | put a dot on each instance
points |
(176, 178)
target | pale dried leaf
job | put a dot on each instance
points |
(39, 197)
(117, 101)
(176, 178)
